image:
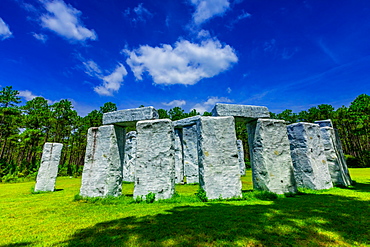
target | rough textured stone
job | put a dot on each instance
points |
(272, 167)
(179, 164)
(186, 122)
(337, 165)
(309, 160)
(102, 174)
(219, 169)
(324, 123)
(130, 156)
(190, 154)
(239, 144)
(130, 117)
(241, 112)
(48, 170)
(155, 159)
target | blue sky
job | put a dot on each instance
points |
(187, 53)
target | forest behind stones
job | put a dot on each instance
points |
(26, 126)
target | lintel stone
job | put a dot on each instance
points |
(129, 117)
(245, 113)
(186, 122)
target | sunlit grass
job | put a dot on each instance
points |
(335, 217)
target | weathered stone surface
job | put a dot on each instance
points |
(272, 167)
(337, 165)
(129, 117)
(239, 144)
(102, 174)
(219, 169)
(241, 112)
(309, 160)
(186, 122)
(128, 169)
(324, 123)
(179, 165)
(155, 159)
(190, 154)
(48, 170)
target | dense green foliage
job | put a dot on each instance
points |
(24, 128)
(335, 217)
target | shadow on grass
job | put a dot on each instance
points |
(315, 220)
(361, 187)
(17, 244)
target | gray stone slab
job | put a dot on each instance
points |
(129, 117)
(128, 169)
(324, 123)
(241, 112)
(186, 122)
(219, 169)
(102, 173)
(48, 170)
(337, 165)
(155, 159)
(179, 164)
(239, 144)
(272, 166)
(190, 153)
(308, 155)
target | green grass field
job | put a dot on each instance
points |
(335, 217)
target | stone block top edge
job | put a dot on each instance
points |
(325, 123)
(271, 120)
(186, 121)
(241, 111)
(302, 124)
(130, 116)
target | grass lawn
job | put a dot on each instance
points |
(335, 217)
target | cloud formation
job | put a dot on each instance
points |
(175, 103)
(138, 14)
(185, 63)
(206, 9)
(4, 30)
(28, 95)
(64, 20)
(209, 104)
(42, 37)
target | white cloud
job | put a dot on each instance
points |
(184, 63)
(28, 95)
(228, 90)
(111, 83)
(42, 37)
(4, 30)
(92, 69)
(206, 9)
(64, 20)
(175, 103)
(208, 105)
(138, 14)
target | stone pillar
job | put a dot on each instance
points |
(48, 170)
(102, 174)
(155, 159)
(309, 160)
(219, 169)
(272, 166)
(179, 165)
(130, 156)
(239, 144)
(190, 152)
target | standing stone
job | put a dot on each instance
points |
(309, 160)
(155, 159)
(130, 156)
(239, 144)
(179, 165)
(272, 167)
(102, 174)
(219, 169)
(190, 152)
(48, 170)
(337, 168)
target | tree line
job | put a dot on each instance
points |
(24, 128)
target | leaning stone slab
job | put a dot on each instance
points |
(102, 173)
(337, 165)
(179, 165)
(241, 112)
(48, 170)
(130, 117)
(219, 169)
(239, 144)
(155, 159)
(309, 160)
(272, 166)
(190, 154)
(128, 170)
